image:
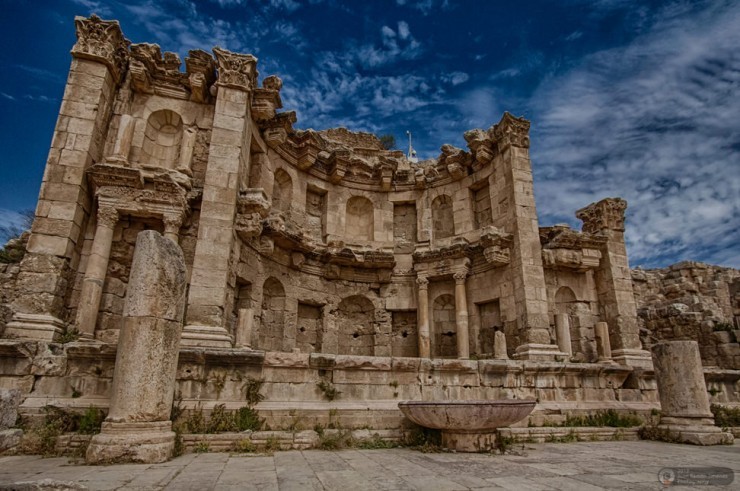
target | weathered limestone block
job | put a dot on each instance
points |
(499, 346)
(137, 427)
(10, 399)
(683, 394)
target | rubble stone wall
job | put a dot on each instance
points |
(691, 301)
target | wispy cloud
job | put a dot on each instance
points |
(655, 122)
(94, 7)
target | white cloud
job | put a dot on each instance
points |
(656, 123)
(94, 7)
(7, 96)
(455, 78)
(403, 30)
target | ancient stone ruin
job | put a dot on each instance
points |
(341, 276)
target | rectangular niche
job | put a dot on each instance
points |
(404, 334)
(404, 226)
(315, 212)
(308, 328)
(490, 320)
(482, 214)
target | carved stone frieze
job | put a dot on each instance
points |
(103, 41)
(235, 70)
(154, 72)
(248, 225)
(201, 69)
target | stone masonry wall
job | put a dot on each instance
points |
(691, 300)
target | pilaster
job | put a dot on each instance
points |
(525, 270)
(100, 58)
(209, 297)
(614, 281)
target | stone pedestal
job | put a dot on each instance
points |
(469, 441)
(683, 395)
(137, 427)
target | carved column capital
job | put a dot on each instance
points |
(236, 70)
(460, 277)
(107, 216)
(511, 131)
(607, 214)
(172, 223)
(422, 282)
(102, 40)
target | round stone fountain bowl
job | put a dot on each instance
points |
(467, 426)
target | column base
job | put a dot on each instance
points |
(206, 337)
(696, 431)
(38, 327)
(147, 443)
(633, 358)
(540, 352)
(469, 442)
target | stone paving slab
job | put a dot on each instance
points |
(547, 466)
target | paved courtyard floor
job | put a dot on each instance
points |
(577, 466)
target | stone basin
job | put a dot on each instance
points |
(467, 426)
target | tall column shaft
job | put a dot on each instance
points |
(97, 266)
(461, 316)
(423, 317)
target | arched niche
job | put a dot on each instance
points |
(282, 191)
(442, 217)
(272, 325)
(444, 342)
(564, 299)
(162, 139)
(356, 326)
(359, 219)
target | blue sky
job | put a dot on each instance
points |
(638, 99)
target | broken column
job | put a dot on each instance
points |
(684, 402)
(499, 346)
(244, 324)
(138, 426)
(562, 333)
(603, 347)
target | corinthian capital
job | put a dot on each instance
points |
(511, 131)
(460, 276)
(236, 70)
(607, 214)
(107, 216)
(102, 40)
(422, 282)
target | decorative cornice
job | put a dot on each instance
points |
(102, 40)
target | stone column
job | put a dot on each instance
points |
(603, 347)
(422, 312)
(244, 324)
(211, 285)
(125, 136)
(461, 315)
(100, 57)
(138, 428)
(97, 267)
(172, 224)
(684, 402)
(562, 333)
(614, 280)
